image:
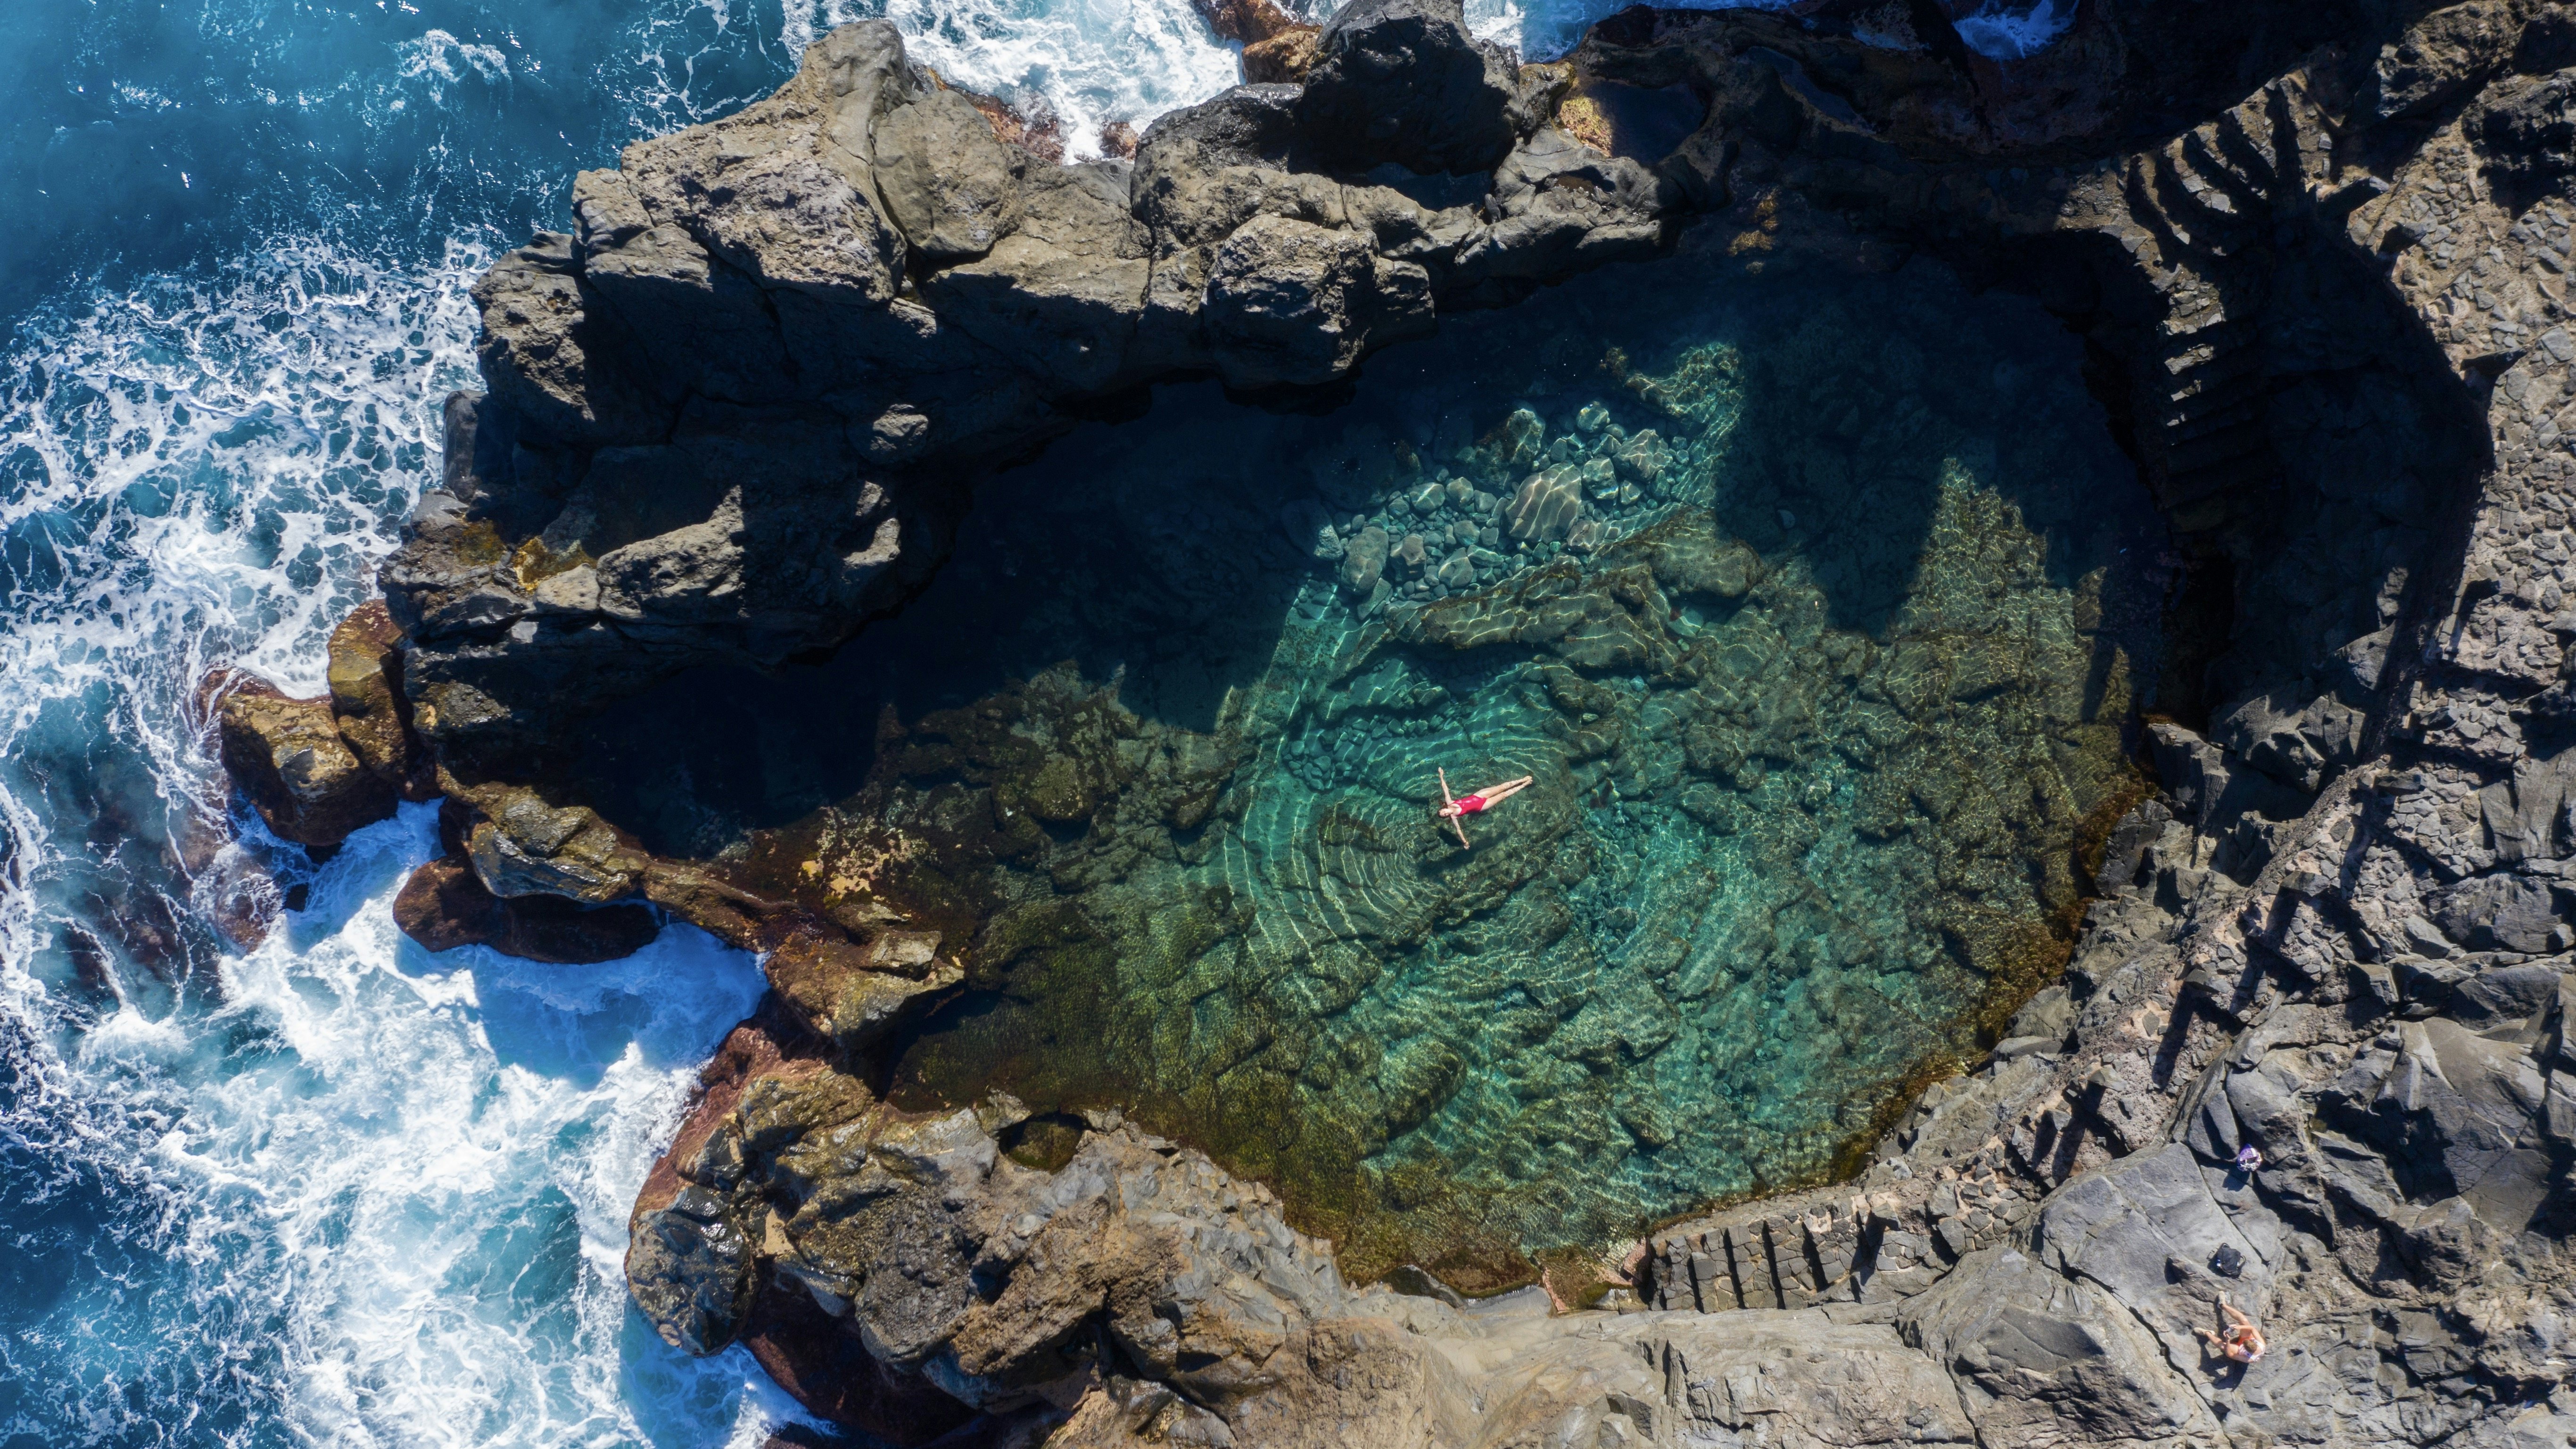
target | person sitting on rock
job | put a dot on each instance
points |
(1475, 801)
(2242, 1341)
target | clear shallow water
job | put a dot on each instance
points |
(1818, 721)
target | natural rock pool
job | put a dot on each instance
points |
(1818, 604)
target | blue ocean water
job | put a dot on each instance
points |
(329, 1189)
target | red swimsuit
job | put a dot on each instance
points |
(1470, 804)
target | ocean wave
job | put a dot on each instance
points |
(1086, 62)
(331, 1189)
(379, 1197)
(2010, 31)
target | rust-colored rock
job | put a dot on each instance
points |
(444, 906)
(287, 756)
(768, 1043)
(1033, 128)
(824, 1365)
(1284, 57)
(1276, 45)
(856, 995)
(367, 700)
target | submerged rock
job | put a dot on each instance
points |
(1547, 506)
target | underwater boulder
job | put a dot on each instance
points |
(1309, 531)
(1547, 506)
(1364, 560)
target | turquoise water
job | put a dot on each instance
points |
(1819, 691)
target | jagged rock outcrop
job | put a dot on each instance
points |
(729, 417)
(444, 905)
(316, 769)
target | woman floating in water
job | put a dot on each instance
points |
(1474, 801)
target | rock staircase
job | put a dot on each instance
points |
(2201, 216)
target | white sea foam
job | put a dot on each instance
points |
(444, 1153)
(351, 1192)
(2010, 31)
(444, 60)
(1089, 61)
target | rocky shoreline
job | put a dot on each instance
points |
(2319, 261)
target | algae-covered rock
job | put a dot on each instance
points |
(855, 996)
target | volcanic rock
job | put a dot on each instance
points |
(2321, 265)
(444, 905)
(713, 399)
(289, 757)
(945, 178)
(367, 700)
(1402, 81)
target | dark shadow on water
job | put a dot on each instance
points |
(1151, 551)
(1084, 556)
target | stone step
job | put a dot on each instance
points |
(2243, 135)
(2248, 197)
(2216, 447)
(2199, 417)
(2138, 189)
(2185, 188)
(2300, 138)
